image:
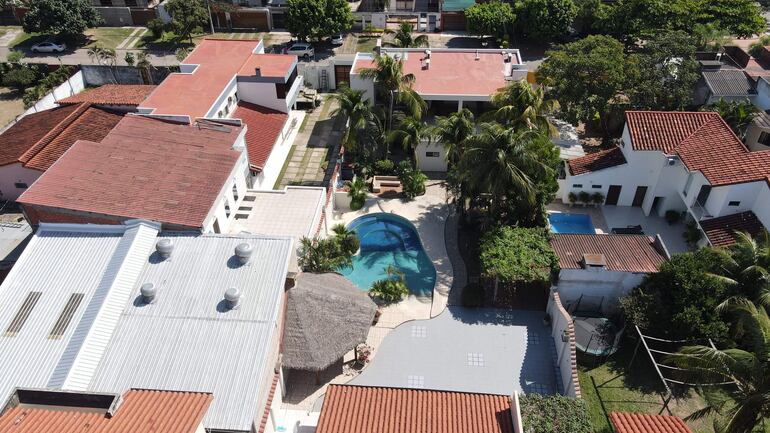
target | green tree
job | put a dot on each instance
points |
(404, 38)
(493, 18)
(391, 82)
(20, 78)
(744, 399)
(187, 17)
(584, 76)
(353, 105)
(517, 254)
(410, 133)
(737, 114)
(746, 268)
(328, 254)
(545, 19)
(742, 18)
(67, 18)
(348, 239)
(317, 19)
(452, 131)
(709, 37)
(412, 180)
(522, 105)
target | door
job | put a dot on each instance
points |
(341, 74)
(655, 205)
(613, 194)
(641, 191)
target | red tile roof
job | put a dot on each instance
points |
(140, 411)
(39, 139)
(623, 253)
(596, 161)
(703, 141)
(145, 168)
(263, 126)
(721, 231)
(625, 422)
(363, 409)
(112, 94)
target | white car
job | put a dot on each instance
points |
(48, 47)
(302, 49)
(338, 39)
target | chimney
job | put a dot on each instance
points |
(148, 292)
(233, 298)
(257, 71)
(164, 247)
(243, 252)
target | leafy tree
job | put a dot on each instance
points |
(737, 114)
(584, 76)
(452, 131)
(403, 37)
(412, 180)
(744, 400)
(20, 78)
(317, 19)
(517, 254)
(391, 82)
(521, 105)
(680, 301)
(67, 18)
(545, 19)
(590, 15)
(187, 17)
(493, 18)
(742, 18)
(709, 37)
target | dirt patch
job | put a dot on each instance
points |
(11, 105)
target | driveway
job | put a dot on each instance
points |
(470, 350)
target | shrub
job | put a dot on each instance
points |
(597, 198)
(156, 27)
(673, 216)
(393, 288)
(473, 295)
(517, 254)
(130, 58)
(573, 197)
(692, 234)
(584, 197)
(412, 180)
(330, 254)
(554, 414)
(357, 193)
(757, 47)
(384, 167)
(20, 78)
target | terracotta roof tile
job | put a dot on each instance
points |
(363, 409)
(112, 94)
(40, 141)
(263, 128)
(145, 168)
(625, 422)
(721, 231)
(140, 411)
(703, 141)
(623, 253)
(596, 161)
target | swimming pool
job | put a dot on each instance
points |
(571, 223)
(387, 240)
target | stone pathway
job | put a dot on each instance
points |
(315, 149)
(131, 40)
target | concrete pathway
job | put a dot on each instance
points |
(131, 40)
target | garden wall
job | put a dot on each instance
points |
(97, 75)
(563, 333)
(73, 85)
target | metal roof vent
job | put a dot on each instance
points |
(594, 261)
(243, 252)
(164, 247)
(149, 293)
(233, 298)
(427, 53)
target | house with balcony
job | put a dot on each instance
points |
(687, 162)
(235, 82)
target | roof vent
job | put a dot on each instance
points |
(477, 55)
(427, 54)
(164, 247)
(148, 292)
(233, 298)
(257, 72)
(243, 252)
(594, 261)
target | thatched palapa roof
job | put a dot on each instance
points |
(326, 317)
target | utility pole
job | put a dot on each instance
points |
(211, 20)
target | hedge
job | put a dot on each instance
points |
(554, 414)
(517, 254)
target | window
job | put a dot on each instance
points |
(734, 203)
(577, 185)
(687, 184)
(227, 110)
(131, 3)
(227, 208)
(764, 139)
(23, 313)
(66, 316)
(596, 186)
(229, 100)
(21, 185)
(235, 192)
(432, 154)
(219, 114)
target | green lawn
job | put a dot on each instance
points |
(107, 37)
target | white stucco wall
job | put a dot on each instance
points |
(238, 177)
(611, 285)
(762, 100)
(263, 94)
(718, 203)
(431, 163)
(226, 103)
(16, 173)
(762, 206)
(272, 169)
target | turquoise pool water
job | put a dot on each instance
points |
(571, 223)
(386, 240)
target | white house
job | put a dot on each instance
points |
(688, 162)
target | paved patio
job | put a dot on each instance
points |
(471, 350)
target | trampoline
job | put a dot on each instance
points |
(595, 334)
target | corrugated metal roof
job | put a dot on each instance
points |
(623, 253)
(188, 340)
(729, 83)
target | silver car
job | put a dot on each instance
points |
(301, 49)
(48, 47)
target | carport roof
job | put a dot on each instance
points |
(623, 253)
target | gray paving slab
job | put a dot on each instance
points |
(469, 350)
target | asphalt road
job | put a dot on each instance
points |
(80, 57)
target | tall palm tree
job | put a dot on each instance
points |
(403, 37)
(498, 163)
(452, 131)
(410, 133)
(746, 268)
(745, 401)
(348, 239)
(522, 105)
(388, 75)
(353, 105)
(145, 66)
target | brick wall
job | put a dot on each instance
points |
(561, 324)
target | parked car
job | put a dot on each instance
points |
(337, 39)
(48, 47)
(301, 49)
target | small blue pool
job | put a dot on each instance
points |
(387, 240)
(571, 223)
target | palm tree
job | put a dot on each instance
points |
(145, 65)
(745, 268)
(388, 75)
(745, 400)
(356, 107)
(104, 56)
(498, 164)
(95, 53)
(410, 133)
(452, 131)
(521, 105)
(403, 37)
(348, 239)
(737, 114)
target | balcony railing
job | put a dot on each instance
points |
(699, 211)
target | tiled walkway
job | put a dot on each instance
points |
(312, 160)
